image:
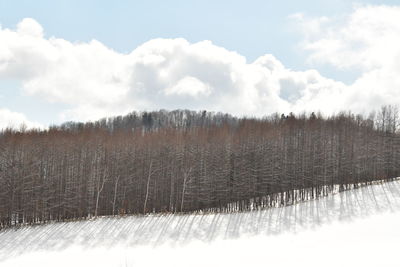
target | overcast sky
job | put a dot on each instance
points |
(82, 60)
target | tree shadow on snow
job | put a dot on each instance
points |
(179, 229)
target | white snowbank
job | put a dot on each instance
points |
(353, 228)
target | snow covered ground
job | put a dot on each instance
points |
(354, 228)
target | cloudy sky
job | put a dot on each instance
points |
(82, 60)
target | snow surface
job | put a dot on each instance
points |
(354, 228)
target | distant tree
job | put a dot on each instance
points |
(182, 161)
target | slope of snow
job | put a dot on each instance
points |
(354, 228)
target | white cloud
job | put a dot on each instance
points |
(367, 40)
(15, 120)
(30, 27)
(189, 86)
(96, 81)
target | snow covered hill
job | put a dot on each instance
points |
(360, 227)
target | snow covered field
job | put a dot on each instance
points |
(354, 228)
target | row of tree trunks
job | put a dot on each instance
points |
(216, 165)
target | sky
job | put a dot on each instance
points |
(83, 60)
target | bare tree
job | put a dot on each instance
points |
(183, 161)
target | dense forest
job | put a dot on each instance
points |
(184, 161)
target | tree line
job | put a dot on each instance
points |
(184, 161)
